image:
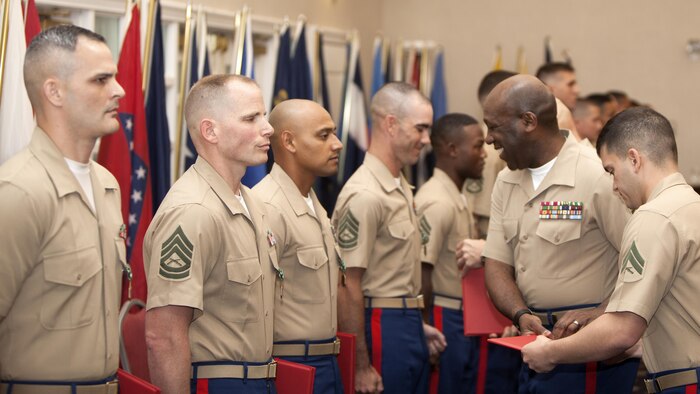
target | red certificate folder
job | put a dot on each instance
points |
(346, 361)
(480, 316)
(515, 343)
(294, 378)
(130, 384)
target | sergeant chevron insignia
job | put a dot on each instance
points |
(633, 265)
(176, 256)
(348, 230)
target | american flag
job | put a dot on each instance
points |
(125, 154)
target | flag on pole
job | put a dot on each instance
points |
(438, 94)
(380, 69)
(326, 187)
(32, 25)
(547, 50)
(521, 62)
(300, 86)
(353, 128)
(125, 154)
(156, 115)
(16, 116)
(244, 64)
(498, 59)
(282, 71)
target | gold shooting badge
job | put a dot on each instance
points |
(561, 210)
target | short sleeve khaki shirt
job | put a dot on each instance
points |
(306, 300)
(376, 229)
(445, 220)
(660, 275)
(559, 260)
(60, 269)
(204, 251)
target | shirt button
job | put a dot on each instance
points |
(525, 237)
(79, 277)
(267, 313)
(556, 238)
(522, 269)
(529, 205)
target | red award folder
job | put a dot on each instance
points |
(294, 378)
(480, 315)
(515, 343)
(130, 384)
(346, 361)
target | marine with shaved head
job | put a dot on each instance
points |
(554, 235)
(305, 147)
(63, 249)
(377, 232)
(210, 255)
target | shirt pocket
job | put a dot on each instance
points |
(401, 230)
(559, 238)
(310, 283)
(72, 292)
(243, 291)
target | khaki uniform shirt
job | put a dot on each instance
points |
(60, 269)
(478, 191)
(306, 300)
(660, 275)
(376, 229)
(559, 262)
(445, 220)
(202, 250)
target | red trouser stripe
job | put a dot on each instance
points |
(691, 389)
(202, 386)
(591, 369)
(483, 364)
(376, 326)
(435, 374)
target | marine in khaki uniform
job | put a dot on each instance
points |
(446, 220)
(63, 249)
(210, 256)
(556, 226)
(305, 147)
(478, 191)
(377, 231)
(655, 298)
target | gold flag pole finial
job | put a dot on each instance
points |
(3, 40)
(183, 88)
(148, 50)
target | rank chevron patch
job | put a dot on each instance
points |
(632, 265)
(425, 229)
(348, 230)
(176, 256)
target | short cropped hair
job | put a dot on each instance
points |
(208, 92)
(490, 81)
(390, 99)
(41, 56)
(549, 70)
(643, 129)
(447, 127)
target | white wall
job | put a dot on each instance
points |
(633, 45)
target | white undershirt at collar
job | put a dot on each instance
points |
(539, 173)
(240, 198)
(310, 203)
(81, 171)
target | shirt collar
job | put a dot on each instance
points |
(452, 190)
(382, 174)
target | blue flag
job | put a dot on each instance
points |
(300, 85)
(282, 71)
(379, 66)
(326, 187)
(438, 95)
(157, 119)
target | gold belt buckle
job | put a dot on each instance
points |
(272, 369)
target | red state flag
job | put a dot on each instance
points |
(125, 154)
(32, 26)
